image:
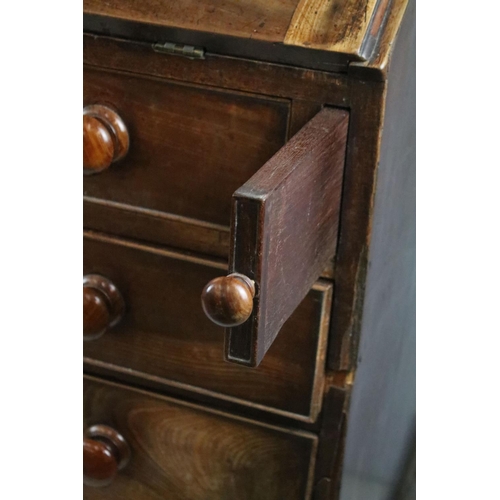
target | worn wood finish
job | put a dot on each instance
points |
(217, 140)
(365, 122)
(241, 48)
(302, 112)
(182, 451)
(258, 19)
(364, 99)
(333, 25)
(382, 408)
(230, 73)
(367, 102)
(377, 66)
(166, 340)
(156, 227)
(339, 29)
(164, 229)
(105, 138)
(360, 89)
(284, 229)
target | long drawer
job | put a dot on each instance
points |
(164, 337)
(180, 451)
(190, 148)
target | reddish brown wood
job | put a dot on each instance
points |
(310, 33)
(284, 229)
(98, 148)
(228, 73)
(215, 140)
(228, 300)
(183, 451)
(364, 99)
(258, 19)
(103, 306)
(165, 340)
(351, 261)
(96, 313)
(105, 138)
(99, 463)
(105, 452)
(116, 201)
(162, 347)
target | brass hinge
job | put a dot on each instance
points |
(178, 49)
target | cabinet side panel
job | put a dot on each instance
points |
(382, 409)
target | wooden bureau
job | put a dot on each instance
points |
(248, 248)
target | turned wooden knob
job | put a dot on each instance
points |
(103, 306)
(105, 452)
(105, 138)
(228, 300)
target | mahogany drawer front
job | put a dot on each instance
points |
(190, 147)
(181, 451)
(165, 338)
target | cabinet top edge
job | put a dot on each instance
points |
(317, 34)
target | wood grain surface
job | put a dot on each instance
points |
(181, 451)
(284, 229)
(306, 91)
(147, 224)
(98, 147)
(228, 300)
(259, 19)
(330, 26)
(229, 73)
(365, 123)
(364, 99)
(213, 139)
(105, 138)
(165, 338)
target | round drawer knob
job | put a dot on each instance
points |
(105, 138)
(103, 306)
(228, 300)
(105, 452)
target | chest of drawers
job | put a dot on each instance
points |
(248, 238)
